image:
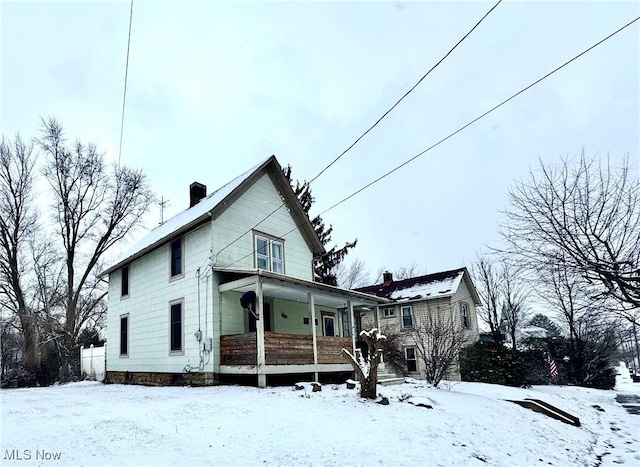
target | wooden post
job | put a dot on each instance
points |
(262, 377)
(312, 322)
(353, 326)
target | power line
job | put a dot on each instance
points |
(374, 125)
(126, 73)
(407, 93)
(360, 190)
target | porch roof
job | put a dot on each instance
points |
(294, 289)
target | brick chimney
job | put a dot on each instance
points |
(387, 278)
(197, 191)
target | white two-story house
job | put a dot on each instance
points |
(225, 289)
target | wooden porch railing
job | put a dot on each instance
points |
(281, 349)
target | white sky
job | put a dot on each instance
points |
(215, 87)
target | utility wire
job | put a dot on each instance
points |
(372, 126)
(360, 190)
(406, 93)
(126, 73)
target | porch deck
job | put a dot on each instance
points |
(281, 349)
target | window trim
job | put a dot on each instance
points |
(126, 354)
(171, 305)
(179, 275)
(465, 315)
(124, 268)
(392, 313)
(402, 317)
(269, 256)
(332, 317)
(414, 359)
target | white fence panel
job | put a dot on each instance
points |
(92, 362)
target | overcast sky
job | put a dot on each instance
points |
(215, 87)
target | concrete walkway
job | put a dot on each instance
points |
(631, 402)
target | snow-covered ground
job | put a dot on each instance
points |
(90, 424)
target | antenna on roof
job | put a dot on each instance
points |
(162, 204)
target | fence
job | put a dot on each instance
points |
(92, 362)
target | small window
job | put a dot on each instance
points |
(124, 281)
(407, 317)
(410, 358)
(176, 327)
(176, 257)
(277, 258)
(389, 312)
(124, 335)
(464, 311)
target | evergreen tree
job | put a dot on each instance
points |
(544, 322)
(324, 265)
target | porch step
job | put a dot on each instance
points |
(390, 381)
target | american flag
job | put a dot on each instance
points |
(553, 369)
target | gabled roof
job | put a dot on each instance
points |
(213, 205)
(427, 287)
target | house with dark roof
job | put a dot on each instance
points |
(448, 295)
(225, 290)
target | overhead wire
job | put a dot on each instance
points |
(372, 126)
(126, 74)
(398, 167)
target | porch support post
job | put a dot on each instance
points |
(312, 322)
(262, 377)
(353, 326)
(377, 316)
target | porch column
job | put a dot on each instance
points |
(377, 317)
(312, 321)
(262, 377)
(353, 326)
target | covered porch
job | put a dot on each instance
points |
(299, 326)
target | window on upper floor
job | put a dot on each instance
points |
(464, 315)
(177, 258)
(407, 317)
(124, 281)
(269, 254)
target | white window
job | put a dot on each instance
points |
(277, 258)
(389, 312)
(464, 312)
(407, 317)
(269, 254)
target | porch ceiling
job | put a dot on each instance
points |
(296, 290)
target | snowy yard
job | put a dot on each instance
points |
(90, 424)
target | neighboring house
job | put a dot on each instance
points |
(526, 332)
(449, 294)
(175, 312)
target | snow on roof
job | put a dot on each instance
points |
(440, 284)
(443, 287)
(184, 218)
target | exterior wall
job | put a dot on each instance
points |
(449, 306)
(255, 204)
(150, 292)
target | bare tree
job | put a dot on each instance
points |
(18, 223)
(354, 276)
(514, 311)
(366, 366)
(486, 277)
(407, 272)
(95, 207)
(587, 216)
(438, 338)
